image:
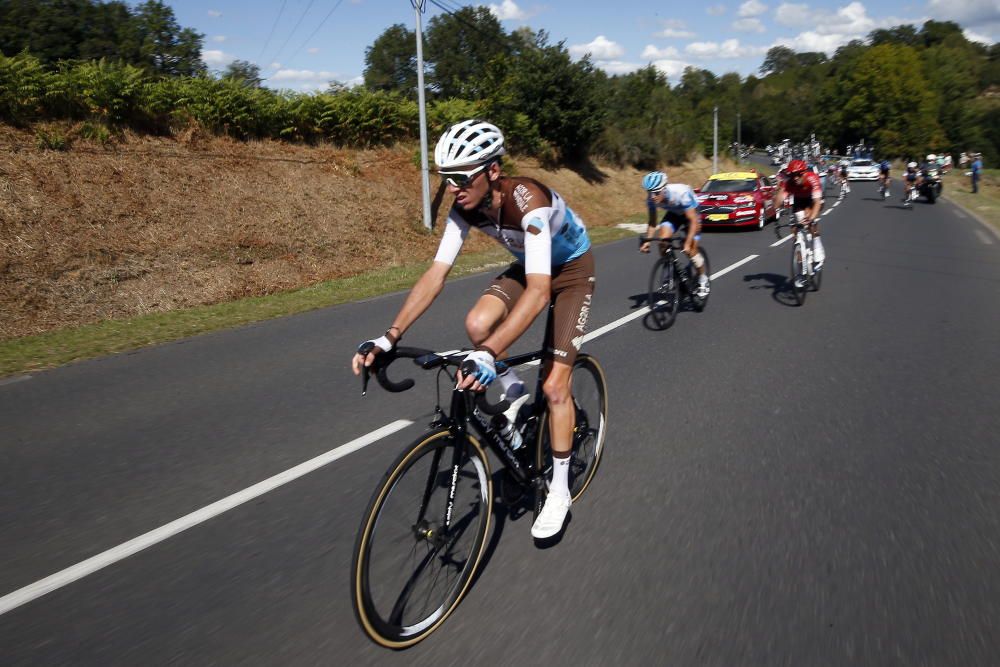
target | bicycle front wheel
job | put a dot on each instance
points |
(417, 549)
(664, 293)
(590, 425)
(799, 279)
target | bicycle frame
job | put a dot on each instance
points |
(468, 409)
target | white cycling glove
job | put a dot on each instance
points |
(486, 370)
(382, 342)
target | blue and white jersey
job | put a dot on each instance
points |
(533, 223)
(679, 198)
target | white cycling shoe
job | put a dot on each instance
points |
(552, 517)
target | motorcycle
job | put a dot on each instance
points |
(930, 186)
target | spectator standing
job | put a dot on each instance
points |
(977, 167)
(963, 160)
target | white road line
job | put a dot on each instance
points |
(719, 274)
(780, 241)
(18, 378)
(69, 575)
(102, 560)
(984, 237)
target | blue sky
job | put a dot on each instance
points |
(303, 44)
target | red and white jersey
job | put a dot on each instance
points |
(809, 188)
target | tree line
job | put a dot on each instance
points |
(906, 90)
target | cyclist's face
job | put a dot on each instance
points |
(471, 194)
(659, 196)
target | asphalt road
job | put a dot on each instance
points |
(782, 485)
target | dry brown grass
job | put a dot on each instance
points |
(150, 224)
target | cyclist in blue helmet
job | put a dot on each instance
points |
(681, 208)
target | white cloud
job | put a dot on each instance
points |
(653, 53)
(674, 29)
(748, 25)
(752, 8)
(216, 59)
(600, 49)
(306, 80)
(214, 13)
(967, 12)
(670, 68)
(617, 66)
(219, 38)
(976, 37)
(793, 15)
(814, 41)
(831, 29)
(313, 51)
(508, 11)
(303, 75)
(675, 34)
(274, 65)
(716, 10)
(730, 48)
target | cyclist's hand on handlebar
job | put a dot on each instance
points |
(644, 247)
(365, 356)
(484, 374)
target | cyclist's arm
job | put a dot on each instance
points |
(694, 228)
(431, 283)
(650, 224)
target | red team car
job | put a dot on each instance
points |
(736, 199)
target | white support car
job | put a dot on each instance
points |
(862, 170)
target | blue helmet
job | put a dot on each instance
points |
(654, 180)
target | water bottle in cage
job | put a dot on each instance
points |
(507, 432)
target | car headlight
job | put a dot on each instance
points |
(745, 199)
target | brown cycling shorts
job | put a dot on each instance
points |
(572, 291)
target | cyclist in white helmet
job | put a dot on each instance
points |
(911, 182)
(553, 264)
(681, 206)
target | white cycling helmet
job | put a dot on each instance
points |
(931, 157)
(468, 144)
(911, 165)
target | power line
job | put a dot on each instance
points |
(271, 34)
(309, 38)
(454, 14)
(292, 33)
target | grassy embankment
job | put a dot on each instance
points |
(985, 204)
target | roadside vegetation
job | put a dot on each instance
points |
(144, 198)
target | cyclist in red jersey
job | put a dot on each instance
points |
(806, 191)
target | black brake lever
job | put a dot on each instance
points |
(363, 350)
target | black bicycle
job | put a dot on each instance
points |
(673, 278)
(425, 529)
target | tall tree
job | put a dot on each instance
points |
(460, 46)
(778, 59)
(889, 99)
(391, 61)
(244, 72)
(166, 47)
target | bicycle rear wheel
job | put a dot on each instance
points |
(590, 401)
(664, 293)
(410, 569)
(799, 280)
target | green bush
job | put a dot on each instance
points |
(22, 87)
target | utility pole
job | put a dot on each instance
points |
(715, 140)
(418, 9)
(739, 137)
